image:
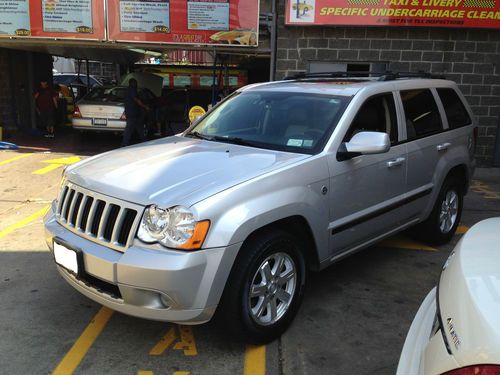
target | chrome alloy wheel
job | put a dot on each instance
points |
(272, 289)
(449, 211)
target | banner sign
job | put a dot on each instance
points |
(73, 19)
(208, 22)
(435, 13)
(14, 18)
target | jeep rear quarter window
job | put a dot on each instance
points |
(421, 113)
(454, 108)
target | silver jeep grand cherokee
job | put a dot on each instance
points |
(277, 179)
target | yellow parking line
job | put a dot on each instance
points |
(80, 348)
(182, 373)
(145, 373)
(15, 158)
(255, 360)
(187, 343)
(462, 229)
(400, 242)
(47, 169)
(23, 222)
(164, 343)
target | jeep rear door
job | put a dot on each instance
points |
(427, 144)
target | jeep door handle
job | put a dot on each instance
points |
(395, 162)
(443, 146)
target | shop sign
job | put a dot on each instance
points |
(435, 13)
(73, 19)
(199, 22)
(68, 19)
(14, 18)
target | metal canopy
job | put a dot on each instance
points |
(121, 53)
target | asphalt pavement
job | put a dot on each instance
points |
(353, 320)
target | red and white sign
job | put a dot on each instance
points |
(212, 22)
(82, 19)
(435, 13)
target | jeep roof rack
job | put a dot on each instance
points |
(381, 76)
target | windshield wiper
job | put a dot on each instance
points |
(219, 138)
(233, 140)
(199, 136)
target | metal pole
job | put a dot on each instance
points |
(298, 10)
(274, 34)
(88, 74)
(214, 74)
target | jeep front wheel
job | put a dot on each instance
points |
(265, 287)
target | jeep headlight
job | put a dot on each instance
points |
(175, 227)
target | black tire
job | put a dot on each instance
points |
(235, 309)
(430, 230)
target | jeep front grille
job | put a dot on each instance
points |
(99, 218)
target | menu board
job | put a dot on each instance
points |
(206, 22)
(67, 16)
(145, 16)
(79, 19)
(208, 15)
(14, 18)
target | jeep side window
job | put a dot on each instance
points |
(377, 114)
(421, 113)
(454, 108)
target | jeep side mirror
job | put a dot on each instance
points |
(364, 143)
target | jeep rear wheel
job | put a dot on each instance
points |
(443, 221)
(265, 287)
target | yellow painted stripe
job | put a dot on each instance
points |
(187, 343)
(255, 360)
(47, 169)
(182, 373)
(15, 158)
(462, 229)
(400, 242)
(80, 348)
(23, 222)
(164, 342)
(145, 373)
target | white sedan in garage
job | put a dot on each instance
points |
(457, 328)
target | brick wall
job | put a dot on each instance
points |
(470, 57)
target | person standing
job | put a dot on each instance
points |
(133, 113)
(46, 106)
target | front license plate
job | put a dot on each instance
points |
(66, 258)
(100, 121)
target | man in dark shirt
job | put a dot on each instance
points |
(133, 113)
(46, 105)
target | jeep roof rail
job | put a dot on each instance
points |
(382, 76)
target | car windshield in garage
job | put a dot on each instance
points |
(284, 121)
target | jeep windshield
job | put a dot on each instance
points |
(283, 121)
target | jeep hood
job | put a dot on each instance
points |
(175, 170)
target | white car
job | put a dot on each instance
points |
(457, 328)
(103, 109)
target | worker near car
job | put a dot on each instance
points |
(134, 113)
(46, 106)
(63, 96)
